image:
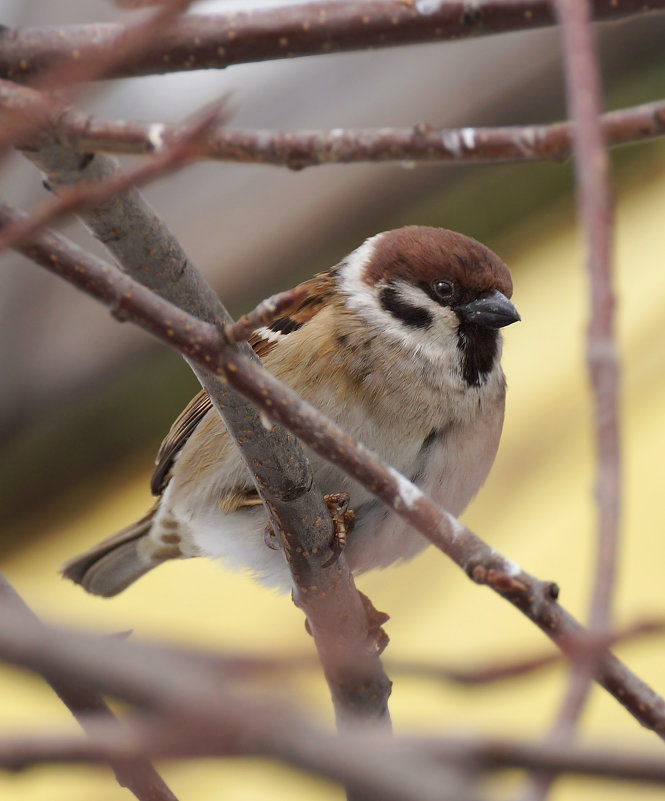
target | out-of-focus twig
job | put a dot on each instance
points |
(184, 711)
(299, 149)
(208, 716)
(483, 564)
(595, 212)
(89, 61)
(493, 671)
(179, 153)
(145, 249)
(196, 42)
(132, 771)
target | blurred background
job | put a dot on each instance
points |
(85, 402)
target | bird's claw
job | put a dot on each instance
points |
(343, 521)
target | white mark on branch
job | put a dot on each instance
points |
(469, 138)
(266, 422)
(407, 493)
(456, 528)
(527, 140)
(511, 568)
(452, 142)
(427, 7)
(156, 136)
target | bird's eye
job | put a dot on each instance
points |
(444, 289)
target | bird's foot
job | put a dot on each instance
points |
(343, 521)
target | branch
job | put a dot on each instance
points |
(595, 212)
(180, 152)
(211, 730)
(198, 42)
(478, 754)
(496, 670)
(594, 205)
(146, 250)
(185, 703)
(90, 62)
(484, 565)
(299, 149)
(131, 771)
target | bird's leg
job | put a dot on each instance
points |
(343, 520)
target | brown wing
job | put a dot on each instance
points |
(180, 432)
(317, 296)
(262, 341)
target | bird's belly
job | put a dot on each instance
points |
(451, 473)
(451, 470)
(238, 538)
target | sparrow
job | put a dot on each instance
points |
(400, 345)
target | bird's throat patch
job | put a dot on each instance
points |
(479, 347)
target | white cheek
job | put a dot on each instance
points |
(359, 297)
(435, 344)
(438, 342)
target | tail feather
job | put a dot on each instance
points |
(115, 563)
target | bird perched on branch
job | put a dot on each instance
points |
(399, 344)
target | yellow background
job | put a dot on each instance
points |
(536, 508)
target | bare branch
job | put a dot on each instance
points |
(483, 564)
(495, 670)
(299, 149)
(154, 739)
(595, 212)
(208, 716)
(83, 195)
(131, 771)
(88, 62)
(145, 249)
(190, 714)
(205, 42)
(265, 313)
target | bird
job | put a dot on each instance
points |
(400, 345)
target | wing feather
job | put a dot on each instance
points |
(180, 432)
(263, 341)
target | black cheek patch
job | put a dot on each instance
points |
(413, 316)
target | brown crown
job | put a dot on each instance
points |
(421, 253)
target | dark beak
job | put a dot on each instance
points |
(493, 312)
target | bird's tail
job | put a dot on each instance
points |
(115, 563)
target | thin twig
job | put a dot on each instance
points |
(483, 564)
(90, 61)
(206, 715)
(145, 249)
(188, 713)
(131, 771)
(265, 313)
(493, 671)
(198, 42)
(179, 153)
(595, 212)
(299, 149)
